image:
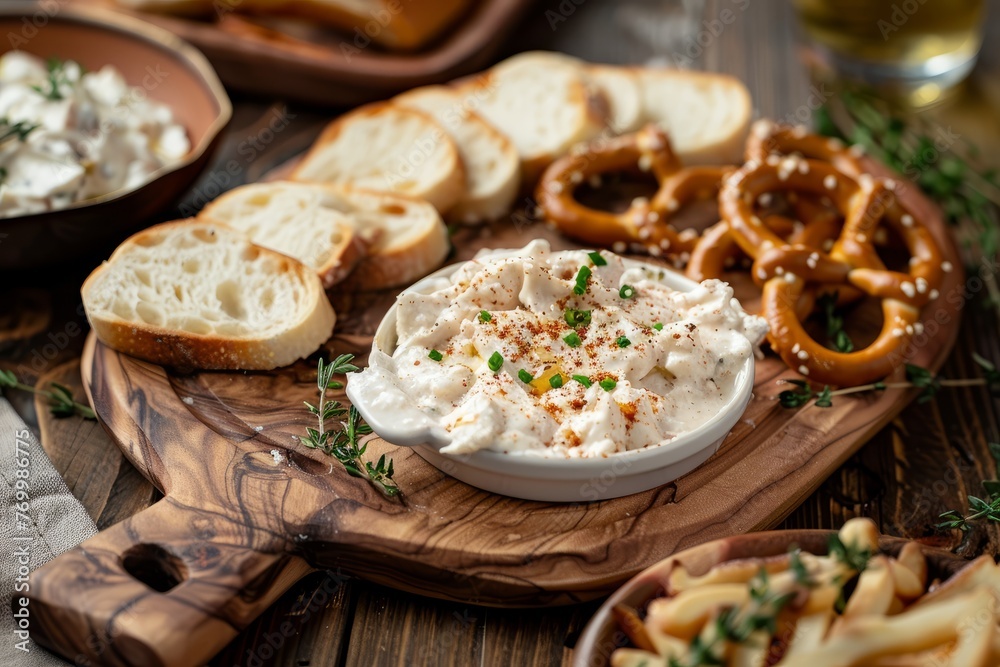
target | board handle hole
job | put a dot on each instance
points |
(154, 566)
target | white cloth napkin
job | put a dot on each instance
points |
(51, 522)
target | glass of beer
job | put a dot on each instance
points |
(922, 45)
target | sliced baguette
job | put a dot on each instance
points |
(298, 221)
(620, 88)
(196, 294)
(543, 101)
(390, 148)
(412, 240)
(492, 166)
(706, 115)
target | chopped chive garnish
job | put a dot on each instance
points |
(556, 381)
(572, 339)
(623, 341)
(524, 376)
(626, 292)
(495, 362)
(658, 326)
(607, 384)
(581, 280)
(596, 258)
(584, 380)
(484, 316)
(577, 318)
(435, 355)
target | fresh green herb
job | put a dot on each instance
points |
(495, 362)
(344, 444)
(435, 355)
(851, 555)
(524, 376)
(924, 379)
(584, 380)
(597, 259)
(577, 318)
(626, 292)
(979, 508)
(990, 372)
(582, 277)
(827, 305)
(484, 316)
(57, 78)
(573, 339)
(916, 376)
(60, 397)
(623, 341)
(608, 384)
(658, 326)
(19, 130)
(556, 381)
(799, 569)
(737, 625)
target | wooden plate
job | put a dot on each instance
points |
(313, 66)
(602, 635)
(247, 510)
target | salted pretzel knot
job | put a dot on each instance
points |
(786, 270)
(646, 222)
(769, 142)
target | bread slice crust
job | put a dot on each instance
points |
(206, 347)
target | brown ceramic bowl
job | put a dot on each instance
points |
(172, 72)
(602, 635)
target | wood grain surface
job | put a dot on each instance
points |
(248, 510)
(924, 462)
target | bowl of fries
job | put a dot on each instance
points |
(802, 598)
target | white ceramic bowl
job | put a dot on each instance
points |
(537, 478)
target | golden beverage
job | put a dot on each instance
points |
(896, 39)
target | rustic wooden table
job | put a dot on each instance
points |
(926, 461)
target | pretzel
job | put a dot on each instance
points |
(769, 142)
(785, 270)
(646, 222)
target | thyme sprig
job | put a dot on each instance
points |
(55, 80)
(827, 306)
(916, 377)
(19, 130)
(987, 507)
(733, 625)
(344, 443)
(60, 397)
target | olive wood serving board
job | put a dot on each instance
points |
(248, 510)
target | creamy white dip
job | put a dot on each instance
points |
(644, 363)
(69, 135)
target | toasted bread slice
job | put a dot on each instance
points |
(620, 89)
(492, 166)
(412, 240)
(389, 148)
(706, 115)
(296, 221)
(542, 101)
(196, 294)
